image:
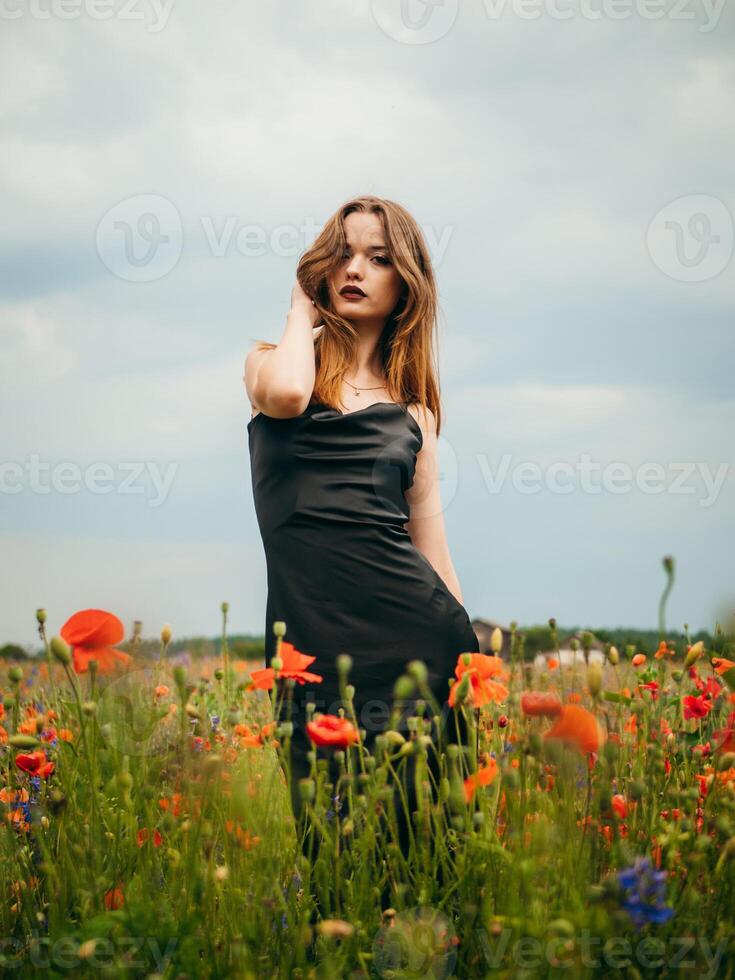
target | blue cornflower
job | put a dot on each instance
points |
(214, 720)
(332, 812)
(645, 890)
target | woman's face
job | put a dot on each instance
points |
(367, 266)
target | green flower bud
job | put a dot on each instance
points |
(418, 671)
(15, 674)
(594, 678)
(344, 664)
(393, 737)
(41, 615)
(307, 790)
(637, 789)
(462, 690)
(695, 652)
(403, 688)
(124, 781)
(23, 741)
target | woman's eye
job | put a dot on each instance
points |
(382, 259)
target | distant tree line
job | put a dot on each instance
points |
(536, 639)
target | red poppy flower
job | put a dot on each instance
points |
(482, 668)
(620, 806)
(578, 727)
(712, 688)
(294, 665)
(722, 665)
(114, 899)
(143, 834)
(696, 707)
(483, 777)
(92, 633)
(664, 650)
(331, 730)
(540, 703)
(651, 686)
(35, 763)
(725, 737)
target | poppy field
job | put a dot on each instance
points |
(585, 827)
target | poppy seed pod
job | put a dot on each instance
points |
(462, 689)
(613, 656)
(417, 670)
(23, 741)
(394, 737)
(403, 688)
(594, 678)
(41, 615)
(60, 649)
(496, 640)
(307, 790)
(693, 654)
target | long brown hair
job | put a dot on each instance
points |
(407, 344)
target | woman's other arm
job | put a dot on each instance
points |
(426, 523)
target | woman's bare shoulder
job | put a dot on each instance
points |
(422, 413)
(425, 419)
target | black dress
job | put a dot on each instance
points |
(342, 572)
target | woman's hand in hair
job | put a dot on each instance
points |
(300, 300)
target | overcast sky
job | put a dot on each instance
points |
(571, 165)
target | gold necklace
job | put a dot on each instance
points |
(358, 390)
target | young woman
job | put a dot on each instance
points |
(343, 450)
